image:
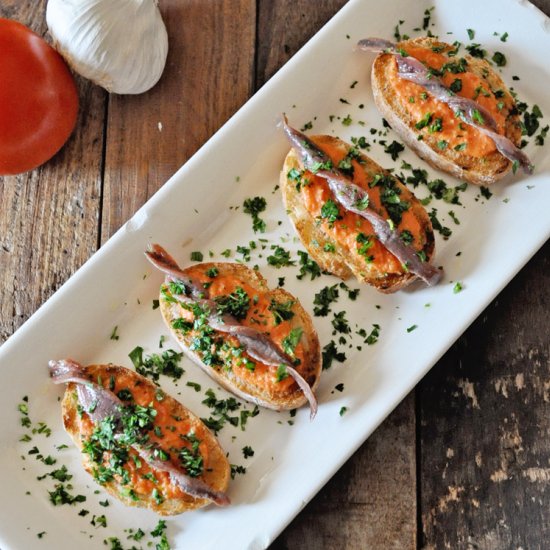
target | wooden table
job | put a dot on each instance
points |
(464, 461)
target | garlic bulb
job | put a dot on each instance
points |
(119, 44)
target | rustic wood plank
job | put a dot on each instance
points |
(371, 502)
(207, 78)
(485, 421)
(43, 210)
(485, 424)
(284, 26)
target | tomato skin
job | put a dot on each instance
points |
(38, 99)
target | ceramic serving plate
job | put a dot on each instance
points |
(195, 211)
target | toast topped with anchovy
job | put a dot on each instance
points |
(259, 344)
(354, 217)
(453, 110)
(144, 447)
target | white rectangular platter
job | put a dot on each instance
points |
(495, 238)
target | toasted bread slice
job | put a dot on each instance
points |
(148, 487)
(333, 253)
(250, 380)
(463, 152)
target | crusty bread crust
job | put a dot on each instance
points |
(480, 171)
(310, 369)
(340, 262)
(216, 472)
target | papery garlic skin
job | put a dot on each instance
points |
(120, 45)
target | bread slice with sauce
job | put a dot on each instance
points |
(459, 148)
(336, 249)
(249, 379)
(173, 420)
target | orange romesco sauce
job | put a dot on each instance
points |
(345, 231)
(260, 318)
(454, 131)
(170, 441)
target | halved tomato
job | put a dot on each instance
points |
(38, 99)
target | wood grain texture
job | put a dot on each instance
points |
(284, 26)
(371, 502)
(209, 75)
(485, 425)
(42, 211)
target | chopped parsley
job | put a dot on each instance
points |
(424, 121)
(453, 217)
(323, 299)
(360, 142)
(330, 354)
(308, 266)
(190, 458)
(436, 126)
(485, 193)
(236, 304)
(212, 272)
(407, 237)
(248, 451)
(499, 59)
(539, 140)
(530, 121)
(427, 18)
(235, 469)
(458, 287)
(454, 67)
(475, 50)
(282, 373)
(456, 85)
(365, 243)
(390, 196)
(60, 496)
(282, 311)
(158, 531)
(372, 338)
(196, 256)
(330, 212)
(194, 385)
(114, 333)
(412, 327)
(221, 411)
(154, 365)
(393, 149)
(290, 342)
(340, 323)
(280, 257)
(343, 411)
(444, 231)
(255, 206)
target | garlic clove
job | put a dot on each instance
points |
(120, 45)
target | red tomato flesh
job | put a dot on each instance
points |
(38, 99)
